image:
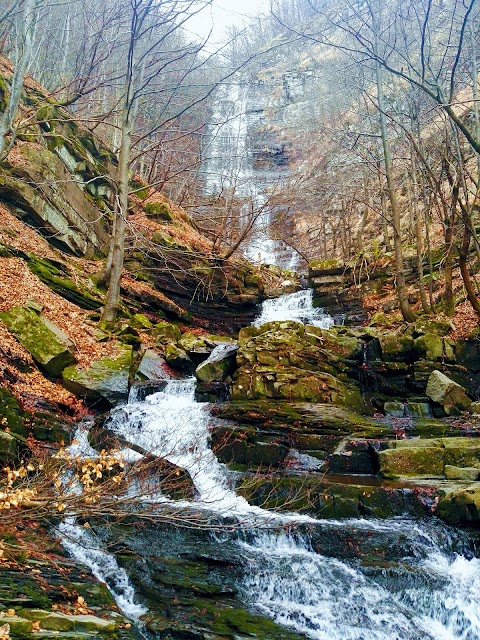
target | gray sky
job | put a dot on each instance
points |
(225, 13)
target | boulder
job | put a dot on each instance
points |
(396, 346)
(219, 365)
(45, 342)
(465, 474)
(430, 326)
(450, 395)
(411, 461)
(166, 332)
(196, 348)
(106, 379)
(152, 366)
(461, 506)
(178, 358)
(429, 346)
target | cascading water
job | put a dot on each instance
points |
(431, 595)
(294, 306)
(428, 589)
(229, 165)
(83, 545)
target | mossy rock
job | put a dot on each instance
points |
(191, 343)
(159, 211)
(326, 267)
(12, 416)
(437, 327)
(412, 461)
(447, 393)
(219, 366)
(90, 623)
(4, 94)
(178, 359)
(468, 354)
(45, 342)
(396, 346)
(166, 333)
(380, 319)
(128, 335)
(57, 622)
(429, 346)
(461, 506)
(106, 379)
(140, 321)
(165, 240)
(464, 474)
(152, 366)
(139, 188)
(252, 382)
(19, 627)
(9, 447)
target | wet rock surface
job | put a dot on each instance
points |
(57, 599)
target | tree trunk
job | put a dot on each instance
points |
(25, 43)
(117, 248)
(419, 239)
(463, 260)
(405, 308)
(448, 267)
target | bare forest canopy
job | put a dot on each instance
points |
(370, 108)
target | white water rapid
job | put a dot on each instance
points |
(296, 306)
(433, 598)
(429, 591)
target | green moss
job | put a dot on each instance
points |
(164, 239)
(166, 332)
(41, 338)
(106, 379)
(326, 265)
(55, 276)
(159, 211)
(139, 188)
(412, 461)
(4, 93)
(11, 414)
(140, 321)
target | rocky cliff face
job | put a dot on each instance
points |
(59, 180)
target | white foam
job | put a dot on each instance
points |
(296, 306)
(83, 545)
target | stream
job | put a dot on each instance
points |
(398, 579)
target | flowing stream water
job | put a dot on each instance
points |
(296, 306)
(427, 587)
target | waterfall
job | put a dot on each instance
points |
(229, 166)
(294, 306)
(429, 592)
(435, 598)
(83, 545)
